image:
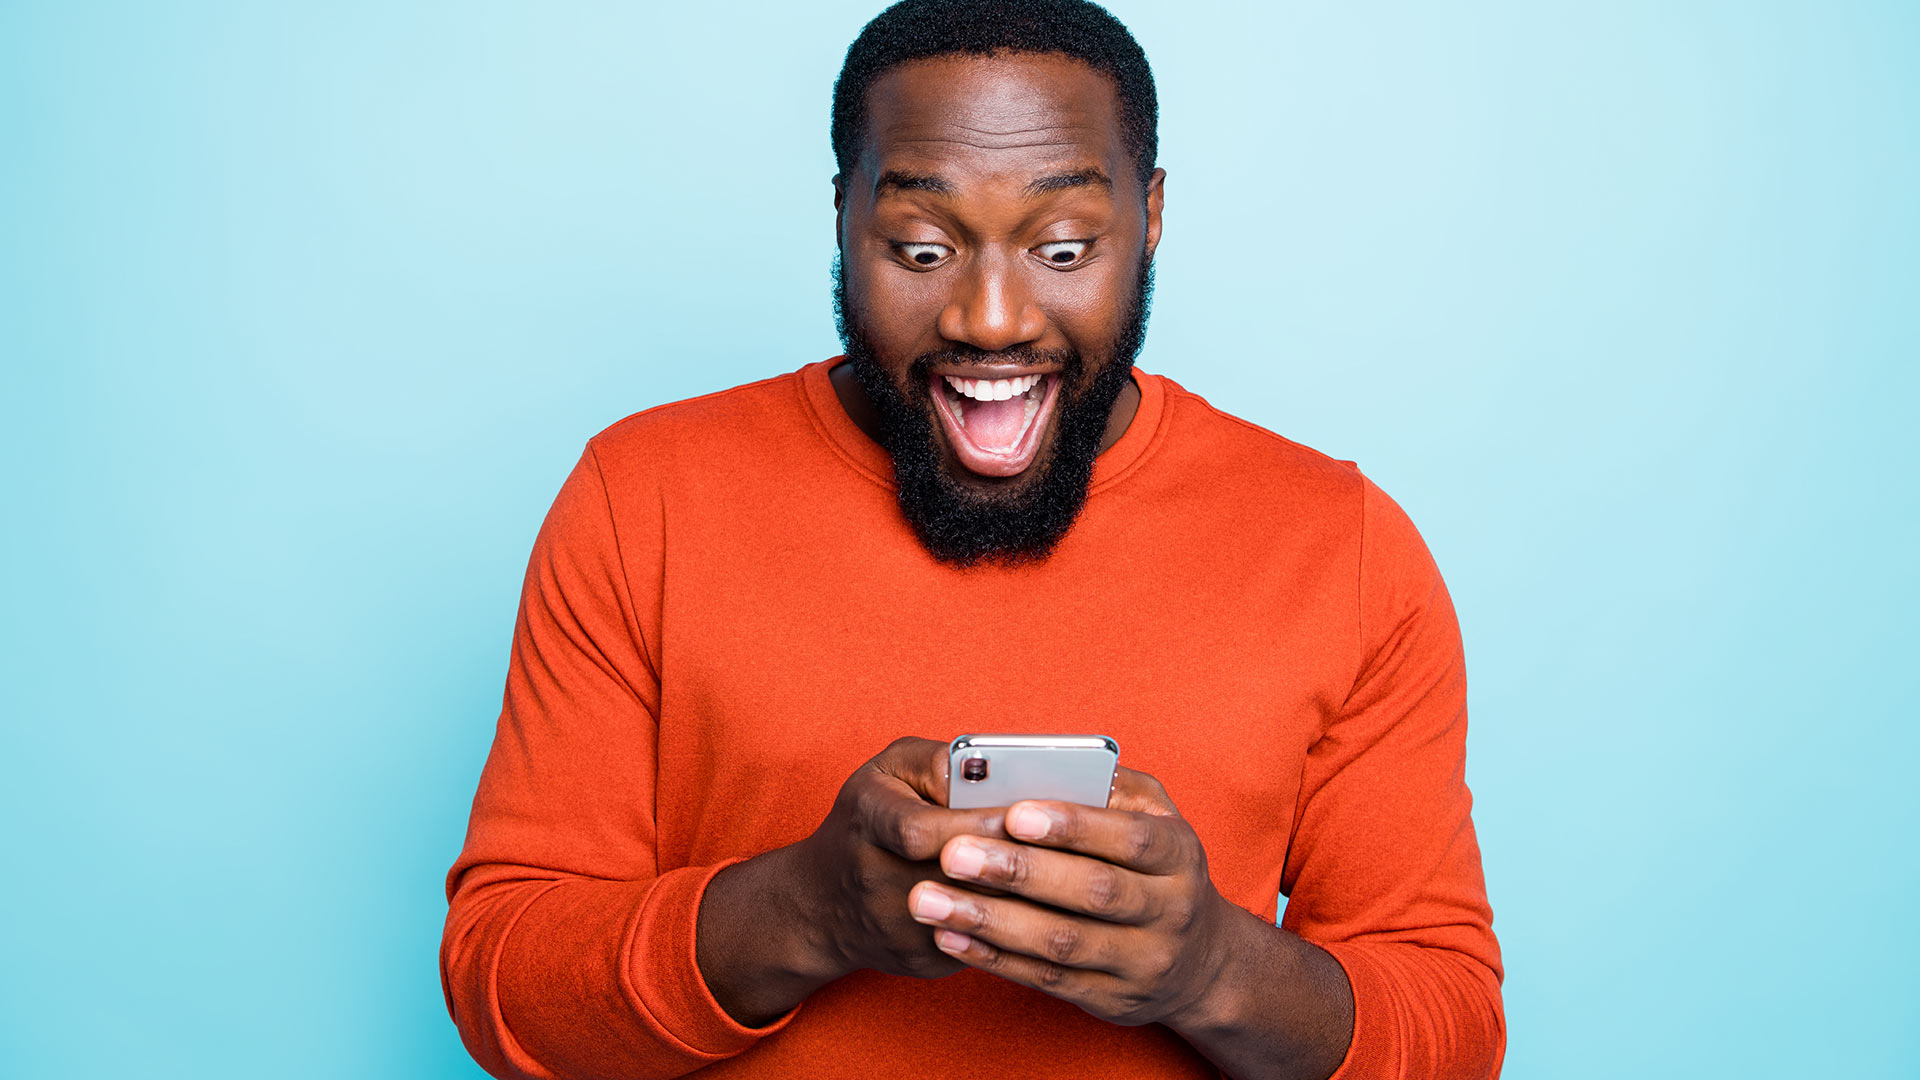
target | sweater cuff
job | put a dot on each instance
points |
(1370, 1052)
(663, 972)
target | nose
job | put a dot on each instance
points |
(992, 308)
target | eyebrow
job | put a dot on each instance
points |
(1046, 185)
(896, 180)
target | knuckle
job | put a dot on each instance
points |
(1131, 1008)
(1049, 975)
(913, 837)
(870, 878)
(1189, 840)
(1142, 842)
(868, 809)
(1103, 891)
(1163, 960)
(1180, 915)
(858, 799)
(902, 752)
(1016, 870)
(1064, 942)
(986, 956)
(976, 918)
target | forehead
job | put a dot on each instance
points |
(1010, 114)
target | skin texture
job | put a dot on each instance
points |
(1110, 909)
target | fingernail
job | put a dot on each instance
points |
(965, 858)
(1027, 822)
(948, 941)
(931, 903)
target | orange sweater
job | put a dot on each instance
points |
(725, 615)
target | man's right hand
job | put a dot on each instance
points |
(779, 926)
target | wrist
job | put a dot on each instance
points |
(804, 916)
(1235, 942)
(1278, 1005)
(756, 949)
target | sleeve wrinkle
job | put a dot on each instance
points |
(510, 1045)
(471, 941)
(620, 566)
(573, 629)
(581, 639)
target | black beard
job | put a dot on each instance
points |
(961, 526)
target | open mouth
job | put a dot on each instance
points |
(994, 425)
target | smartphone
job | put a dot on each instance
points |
(1000, 770)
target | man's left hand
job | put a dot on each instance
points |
(1110, 909)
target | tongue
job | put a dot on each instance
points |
(995, 425)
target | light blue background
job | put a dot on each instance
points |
(305, 311)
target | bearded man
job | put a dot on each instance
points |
(712, 834)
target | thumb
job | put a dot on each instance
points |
(919, 763)
(1139, 793)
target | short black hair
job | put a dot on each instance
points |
(921, 29)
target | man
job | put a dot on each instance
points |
(712, 832)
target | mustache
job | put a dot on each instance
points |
(957, 355)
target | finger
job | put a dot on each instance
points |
(921, 764)
(1061, 879)
(1140, 792)
(896, 819)
(1014, 925)
(1076, 985)
(1149, 843)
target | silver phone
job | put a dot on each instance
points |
(1000, 770)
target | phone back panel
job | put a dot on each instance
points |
(1070, 768)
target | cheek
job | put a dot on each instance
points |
(900, 309)
(1087, 304)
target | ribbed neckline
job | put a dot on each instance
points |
(867, 456)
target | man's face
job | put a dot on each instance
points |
(995, 248)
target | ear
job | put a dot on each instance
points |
(839, 212)
(1156, 199)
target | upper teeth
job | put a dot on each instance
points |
(993, 389)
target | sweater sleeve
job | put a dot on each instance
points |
(568, 952)
(1383, 870)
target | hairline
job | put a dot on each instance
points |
(863, 137)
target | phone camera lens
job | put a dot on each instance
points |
(973, 769)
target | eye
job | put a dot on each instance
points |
(1064, 252)
(927, 256)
